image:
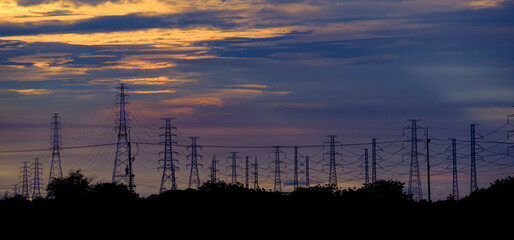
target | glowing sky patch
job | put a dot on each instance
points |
(31, 91)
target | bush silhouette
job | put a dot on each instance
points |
(72, 187)
(500, 193)
(76, 186)
(384, 191)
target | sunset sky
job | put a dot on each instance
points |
(262, 72)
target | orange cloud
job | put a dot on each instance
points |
(52, 63)
(152, 81)
(194, 101)
(55, 63)
(156, 91)
(31, 91)
(242, 93)
(220, 97)
(155, 37)
(249, 86)
(485, 3)
(305, 105)
(490, 113)
(162, 80)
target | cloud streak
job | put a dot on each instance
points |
(31, 91)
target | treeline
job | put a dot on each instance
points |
(75, 198)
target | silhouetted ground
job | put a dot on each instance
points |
(377, 209)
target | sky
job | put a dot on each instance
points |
(254, 73)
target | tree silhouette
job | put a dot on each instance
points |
(385, 191)
(72, 187)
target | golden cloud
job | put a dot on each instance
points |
(156, 91)
(31, 91)
(162, 80)
(219, 97)
(55, 63)
(155, 37)
(485, 3)
(52, 63)
(249, 86)
(194, 101)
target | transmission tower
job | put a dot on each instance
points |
(255, 166)
(168, 181)
(307, 183)
(36, 177)
(247, 165)
(510, 147)
(194, 177)
(295, 177)
(25, 180)
(277, 184)
(122, 172)
(455, 190)
(213, 169)
(414, 174)
(473, 182)
(332, 179)
(55, 165)
(373, 160)
(234, 159)
(366, 172)
(15, 190)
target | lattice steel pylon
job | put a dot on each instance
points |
(455, 189)
(55, 165)
(373, 160)
(36, 179)
(414, 187)
(234, 159)
(122, 171)
(247, 172)
(307, 177)
(295, 166)
(277, 183)
(366, 167)
(168, 181)
(255, 166)
(473, 176)
(332, 179)
(214, 169)
(194, 178)
(25, 180)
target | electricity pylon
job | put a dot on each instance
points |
(414, 188)
(255, 166)
(213, 168)
(277, 184)
(25, 180)
(168, 181)
(122, 171)
(55, 165)
(332, 179)
(194, 178)
(234, 159)
(455, 189)
(36, 177)
(473, 181)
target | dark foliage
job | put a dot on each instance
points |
(222, 204)
(500, 192)
(73, 187)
